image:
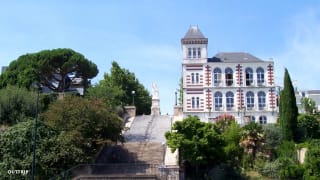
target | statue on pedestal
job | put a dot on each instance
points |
(155, 91)
(155, 108)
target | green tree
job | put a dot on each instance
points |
(16, 104)
(54, 152)
(54, 69)
(272, 139)
(251, 139)
(88, 122)
(123, 79)
(110, 94)
(232, 135)
(198, 142)
(312, 161)
(308, 126)
(288, 109)
(309, 105)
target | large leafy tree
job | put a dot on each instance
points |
(106, 91)
(288, 109)
(308, 126)
(199, 143)
(54, 153)
(117, 87)
(232, 135)
(88, 122)
(54, 69)
(16, 104)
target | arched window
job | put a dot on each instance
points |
(197, 78)
(261, 100)
(260, 76)
(217, 77)
(198, 102)
(192, 78)
(249, 76)
(250, 100)
(218, 101)
(253, 119)
(263, 120)
(229, 76)
(193, 103)
(229, 100)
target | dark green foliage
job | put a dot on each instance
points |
(116, 89)
(231, 133)
(89, 123)
(52, 68)
(53, 154)
(312, 161)
(21, 72)
(252, 138)
(289, 169)
(16, 104)
(199, 143)
(269, 168)
(272, 139)
(308, 126)
(287, 149)
(288, 109)
(110, 94)
(225, 171)
(45, 100)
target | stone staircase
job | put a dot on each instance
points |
(140, 157)
(133, 152)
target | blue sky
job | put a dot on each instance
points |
(144, 36)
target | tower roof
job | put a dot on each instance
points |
(194, 36)
(234, 57)
(194, 33)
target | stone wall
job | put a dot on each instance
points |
(129, 111)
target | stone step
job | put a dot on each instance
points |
(133, 152)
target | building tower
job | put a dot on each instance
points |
(194, 55)
(230, 83)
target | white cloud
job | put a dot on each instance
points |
(302, 54)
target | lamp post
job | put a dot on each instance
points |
(133, 93)
(33, 170)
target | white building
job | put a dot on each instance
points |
(233, 83)
(312, 94)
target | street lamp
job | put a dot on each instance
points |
(33, 170)
(133, 93)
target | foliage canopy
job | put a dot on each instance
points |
(54, 69)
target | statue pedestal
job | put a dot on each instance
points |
(130, 111)
(177, 110)
(155, 108)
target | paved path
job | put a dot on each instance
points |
(148, 128)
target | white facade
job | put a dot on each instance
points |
(236, 84)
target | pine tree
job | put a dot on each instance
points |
(288, 109)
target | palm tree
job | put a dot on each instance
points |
(252, 138)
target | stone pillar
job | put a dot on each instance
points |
(177, 111)
(155, 107)
(130, 111)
